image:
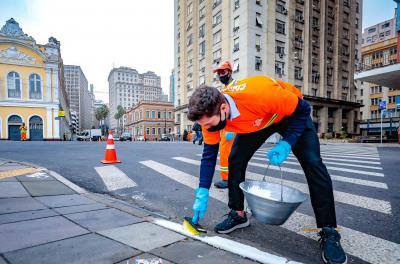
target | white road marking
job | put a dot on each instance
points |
(364, 246)
(113, 178)
(362, 172)
(335, 155)
(374, 184)
(342, 197)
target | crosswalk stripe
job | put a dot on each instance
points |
(350, 154)
(113, 178)
(374, 184)
(332, 162)
(362, 172)
(336, 155)
(361, 245)
(346, 151)
(343, 197)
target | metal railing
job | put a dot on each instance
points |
(384, 61)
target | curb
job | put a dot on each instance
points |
(229, 245)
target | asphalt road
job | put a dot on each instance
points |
(164, 175)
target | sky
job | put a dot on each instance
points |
(98, 35)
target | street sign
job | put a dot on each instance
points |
(61, 113)
(57, 118)
(382, 105)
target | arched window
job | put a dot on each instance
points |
(35, 88)
(14, 85)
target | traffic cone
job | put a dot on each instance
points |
(110, 155)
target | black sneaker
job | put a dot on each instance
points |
(221, 184)
(332, 251)
(234, 221)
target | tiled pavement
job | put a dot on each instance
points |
(44, 221)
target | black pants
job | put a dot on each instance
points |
(306, 150)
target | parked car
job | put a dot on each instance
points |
(165, 137)
(125, 136)
(89, 135)
(140, 138)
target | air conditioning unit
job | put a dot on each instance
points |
(258, 47)
(235, 29)
(330, 49)
(236, 48)
(280, 55)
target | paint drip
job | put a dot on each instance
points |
(263, 193)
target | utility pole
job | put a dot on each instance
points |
(165, 120)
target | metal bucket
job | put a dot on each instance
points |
(271, 203)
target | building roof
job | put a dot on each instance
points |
(13, 30)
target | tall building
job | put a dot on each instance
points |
(127, 87)
(31, 88)
(379, 49)
(77, 88)
(92, 98)
(310, 43)
(171, 97)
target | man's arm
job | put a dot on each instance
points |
(297, 122)
(207, 167)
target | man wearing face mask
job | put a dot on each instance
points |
(224, 72)
(255, 108)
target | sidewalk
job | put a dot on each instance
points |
(44, 218)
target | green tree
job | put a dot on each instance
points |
(101, 115)
(118, 115)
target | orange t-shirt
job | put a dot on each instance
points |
(261, 102)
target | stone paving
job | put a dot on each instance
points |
(44, 221)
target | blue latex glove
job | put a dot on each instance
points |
(200, 204)
(229, 135)
(278, 154)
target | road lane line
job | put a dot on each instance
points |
(342, 197)
(364, 246)
(113, 178)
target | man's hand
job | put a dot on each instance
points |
(278, 154)
(200, 204)
(229, 135)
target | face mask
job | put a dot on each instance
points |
(225, 79)
(221, 125)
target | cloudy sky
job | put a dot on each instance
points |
(137, 33)
(99, 34)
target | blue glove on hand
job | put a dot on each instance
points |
(229, 135)
(200, 204)
(278, 154)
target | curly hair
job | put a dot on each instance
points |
(205, 101)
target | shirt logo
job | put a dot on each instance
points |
(257, 123)
(236, 88)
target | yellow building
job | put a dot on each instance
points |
(31, 89)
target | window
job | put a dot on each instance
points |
(217, 37)
(202, 31)
(190, 8)
(236, 65)
(298, 73)
(189, 25)
(258, 42)
(280, 27)
(147, 130)
(202, 12)
(280, 7)
(387, 33)
(158, 114)
(35, 90)
(258, 20)
(190, 39)
(371, 30)
(328, 94)
(153, 114)
(235, 24)
(217, 56)
(386, 25)
(258, 2)
(258, 64)
(279, 68)
(14, 85)
(202, 49)
(153, 130)
(216, 3)
(299, 16)
(280, 48)
(237, 4)
(235, 44)
(147, 114)
(217, 19)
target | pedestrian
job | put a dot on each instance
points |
(23, 130)
(198, 135)
(255, 108)
(185, 135)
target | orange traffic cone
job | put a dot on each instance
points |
(111, 154)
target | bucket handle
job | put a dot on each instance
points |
(280, 169)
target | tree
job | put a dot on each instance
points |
(119, 114)
(101, 115)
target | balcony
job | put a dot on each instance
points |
(386, 73)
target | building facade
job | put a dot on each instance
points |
(379, 49)
(31, 88)
(171, 97)
(127, 87)
(94, 123)
(77, 89)
(150, 120)
(310, 43)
